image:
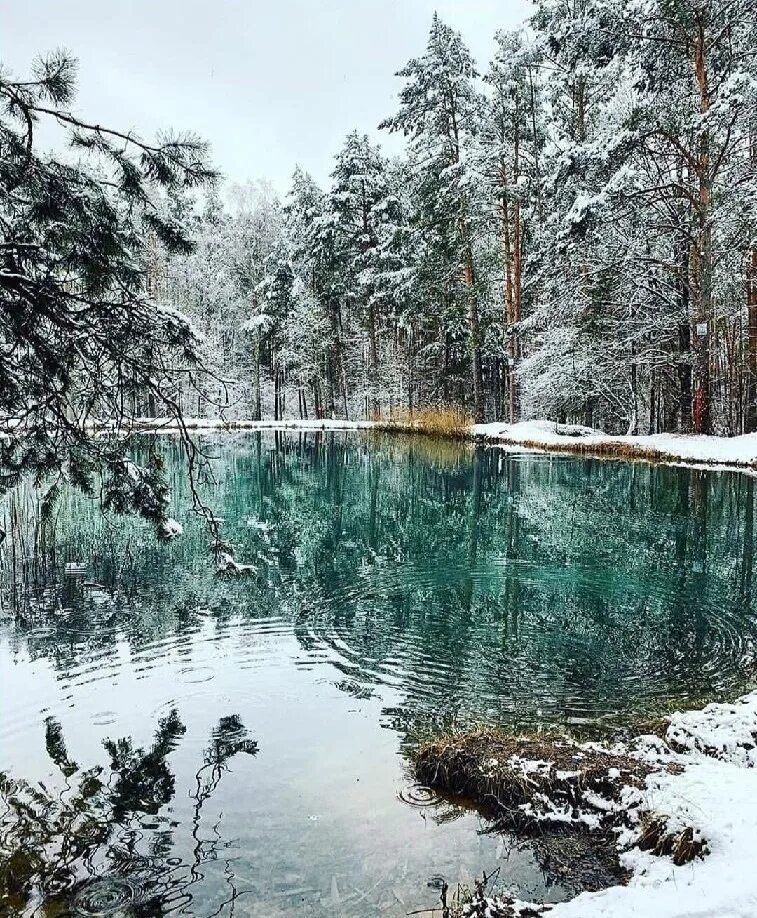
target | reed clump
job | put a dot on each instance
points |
(442, 421)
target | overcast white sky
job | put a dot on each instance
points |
(269, 84)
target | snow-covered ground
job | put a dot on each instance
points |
(688, 448)
(719, 799)
(715, 794)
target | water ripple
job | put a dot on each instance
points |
(104, 896)
(418, 795)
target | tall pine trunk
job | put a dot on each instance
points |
(372, 343)
(701, 256)
(682, 280)
(372, 363)
(751, 302)
(469, 281)
(257, 405)
(474, 329)
(511, 244)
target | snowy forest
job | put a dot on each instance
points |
(312, 478)
(571, 234)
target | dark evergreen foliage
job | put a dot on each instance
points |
(83, 341)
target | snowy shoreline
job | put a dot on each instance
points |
(704, 782)
(689, 449)
(545, 436)
(169, 425)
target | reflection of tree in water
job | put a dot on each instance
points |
(101, 843)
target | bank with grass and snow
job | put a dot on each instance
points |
(680, 809)
(542, 435)
(691, 449)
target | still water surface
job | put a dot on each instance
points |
(217, 745)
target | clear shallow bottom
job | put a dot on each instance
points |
(395, 585)
(311, 822)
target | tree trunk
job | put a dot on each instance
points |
(511, 258)
(474, 331)
(652, 429)
(332, 362)
(701, 261)
(276, 394)
(469, 281)
(751, 299)
(372, 346)
(257, 407)
(410, 373)
(633, 424)
(372, 363)
(684, 329)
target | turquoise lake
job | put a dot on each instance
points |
(175, 741)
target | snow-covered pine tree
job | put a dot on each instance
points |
(368, 221)
(565, 373)
(512, 142)
(315, 245)
(440, 109)
(79, 326)
(695, 75)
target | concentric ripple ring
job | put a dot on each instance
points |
(104, 897)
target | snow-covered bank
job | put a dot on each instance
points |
(169, 425)
(712, 790)
(691, 449)
(688, 448)
(720, 800)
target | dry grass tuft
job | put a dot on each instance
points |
(523, 779)
(437, 422)
(682, 846)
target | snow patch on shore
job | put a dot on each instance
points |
(689, 448)
(719, 800)
(725, 731)
(714, 792)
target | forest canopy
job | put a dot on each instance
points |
(569, 234)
